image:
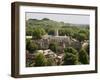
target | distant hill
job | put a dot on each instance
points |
(47, 23)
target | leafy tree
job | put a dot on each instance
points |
(40, 60)
(71, 50)
(50, 61)
(87, 49)
(45, 19)
(71, 56)
(62, 32)
(29, 32)
(69, 31)
(54, 47)
(66, 31)
(51, 32)
(27, 43)
(85, 32)
(31, 46)
(38, 33)
(80, 36)
(83, 57)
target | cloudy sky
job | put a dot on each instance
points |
(67, 18)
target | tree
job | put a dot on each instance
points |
(38, 33)
(69, 32)
(31, 46)
(51, 31)
(85, 32)
(87, 49)
(71, 56)
(62, 32)
(81, 35)
(71, 50)
(54, 47)
(40, 60)
(45, 19)
(83, 57)
(50, 61)
(29, 30)
(66, 31)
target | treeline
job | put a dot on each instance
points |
(38, 28)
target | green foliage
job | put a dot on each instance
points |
(28, 41)
(76, 31)
(71, 50)
(45, 19)
(66, 31)
(62, 32)
(29, 32)
(70, 59)
(69, 32)
(51, 32)
(83, 57)
(29, 29)
(54, 47)
(29, 63)
(82, 35)
(31, 46)
(71, 56)
(87, 49)
(37, 28)
(40, 60)
(38, 33)
(50, 61)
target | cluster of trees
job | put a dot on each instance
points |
(38, 28)
(31, 46)
(45, 23)
(54, 47)
(38, 33)
(78, 33)
(82, 35)
(72, 57)
(41, 60)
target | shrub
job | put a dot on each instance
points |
(50, 62)
(40, 60)
(38, 33)
(83, 57)
(71, 56)
(53, 47)
(31, 46)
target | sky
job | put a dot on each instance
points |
(67, 18)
